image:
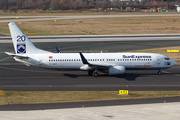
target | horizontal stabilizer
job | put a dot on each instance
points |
(15, 55)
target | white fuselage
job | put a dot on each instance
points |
(72, 61)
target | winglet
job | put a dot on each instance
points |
(83, 59)
(58, 51)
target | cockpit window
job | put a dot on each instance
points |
(167, 58)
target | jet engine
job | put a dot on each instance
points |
(114, 70)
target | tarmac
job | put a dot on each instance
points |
(42, 18)
(156, 111)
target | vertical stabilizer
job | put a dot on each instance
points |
(22, 44)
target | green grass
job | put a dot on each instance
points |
(32, 97)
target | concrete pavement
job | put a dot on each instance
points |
(157, 111)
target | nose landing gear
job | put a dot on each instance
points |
(160, 71)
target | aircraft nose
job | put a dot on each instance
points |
(174, 63)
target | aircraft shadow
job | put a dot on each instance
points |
(71, 75)
(127, 76)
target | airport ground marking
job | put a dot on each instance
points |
(170, 73)
(29, 70)
(31, 77)
(1, 92)
(177, 74)
(123, 92)
(5, 58)
(176, 51)
(77, 46)
(11, 64)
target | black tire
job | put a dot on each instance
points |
(159, 73)
(90, 73)
(95, 74)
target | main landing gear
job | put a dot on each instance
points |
(94, 73)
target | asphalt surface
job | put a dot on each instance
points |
(170, 36)
(23, 78)
(15, 76)
(39, 18)
(27, 107)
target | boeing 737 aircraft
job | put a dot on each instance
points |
(111, 63)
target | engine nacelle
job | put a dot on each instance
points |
(114, 70)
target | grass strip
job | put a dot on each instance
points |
(34, 97)
(101, 26)
(74, 12)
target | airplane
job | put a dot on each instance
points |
(111, 63)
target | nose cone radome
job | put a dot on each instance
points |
(174, 63)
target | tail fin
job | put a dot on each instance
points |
(22, 44)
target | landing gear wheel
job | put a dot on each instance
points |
(95, 74)
(159, 73)
(90, 73)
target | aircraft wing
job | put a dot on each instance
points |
(89, 66)
(15, 55)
